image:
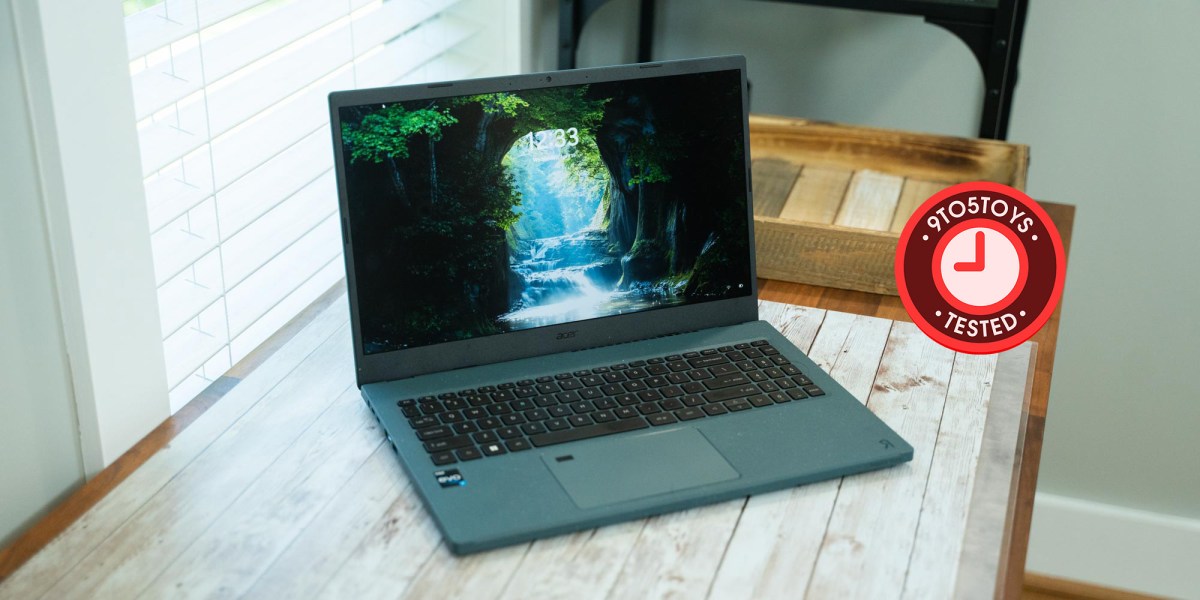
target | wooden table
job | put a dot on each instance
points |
(286, 487)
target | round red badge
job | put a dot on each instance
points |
(980, 267)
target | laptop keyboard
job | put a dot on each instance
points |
(554, 409)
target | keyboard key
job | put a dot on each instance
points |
(590, 393)
(467, 427)
(802, 381)
(634, 386)
(583, 433)
(773, 373)
(760, 400)
(522, 405)
(796, 394)
(512, 419)
(470, 453)
(693, 400)
(648, 408)
(813, 390)
(731, 393)
(446, 395)
(582, 407)
(455, 404)
(678, 366)
(752, 353)
(678, 378)
(525, 392)
(628, 399)
(568, 397)
(423, 422)
(715, 409)
(508, 433)
(444, 444)
(725, 349)
(507, 386)
(790, 369)
(443, 458)
(719, 370)
(605, 403)
(656, 381)
(767, 386)
(433, 433)
(725, 381)
(785, 384)
(557, 424)
(518, 445)
(637, 363)
(657, 370)
(768, 351)
(671, 391)
(671, 404)
(736, 405)
(625, 412)
(533, 428)
(485, 437)
(707, 361)
(538, 414)
(614, 377)
(759, 343)
(708, 351)
(430, 408)
(635, 373)
(544, 379)
(559, 411)
(693, 387)
(756, 376)
(451, 417)
(488, 423)
(547, 388)
(649, 395)
(691, 354)
(410, 410)
(662, 419)
(741, 346)
(688, 414)
(579, 420)
(493, 449)
(570, 384)
(604, 416)
(779, 397)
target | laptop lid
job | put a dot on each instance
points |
(495, 219)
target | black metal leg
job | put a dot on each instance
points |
(645, 30)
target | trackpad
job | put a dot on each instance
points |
(616, 470)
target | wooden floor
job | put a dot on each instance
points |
(285, 487)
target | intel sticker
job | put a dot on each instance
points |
(450, 478)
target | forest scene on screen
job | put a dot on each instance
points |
(478, 215)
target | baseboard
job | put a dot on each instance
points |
(1114, 547)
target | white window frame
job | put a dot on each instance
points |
(81, 104)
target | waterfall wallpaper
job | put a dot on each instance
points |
(478, 215)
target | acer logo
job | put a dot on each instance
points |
(566, 335)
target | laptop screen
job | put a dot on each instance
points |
(478, 215)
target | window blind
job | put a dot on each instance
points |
(230, 101)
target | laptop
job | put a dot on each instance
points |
(554, 303)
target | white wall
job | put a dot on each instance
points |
(39, 436)
(1108, 102)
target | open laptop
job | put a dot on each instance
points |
(554, 303)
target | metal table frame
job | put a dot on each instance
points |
(992, 29)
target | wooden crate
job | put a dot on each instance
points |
(830, 200)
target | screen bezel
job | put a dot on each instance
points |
(550, 339)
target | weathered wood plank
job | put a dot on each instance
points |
(772, 180)
(778, 539)
(583, 565)
(316, 554)
(870, 201)
(915, 192)
(951, 479)
(232, 553)
(817, 195)
(677, 554)
(173, 516)
(925, 156)
(799, 324)
(829, 255)
(58, 558)
(872, 527)
(474, 576)
(393, 554)
(988, 532)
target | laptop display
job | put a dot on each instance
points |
(483, 214)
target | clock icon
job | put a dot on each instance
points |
(980, 266)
